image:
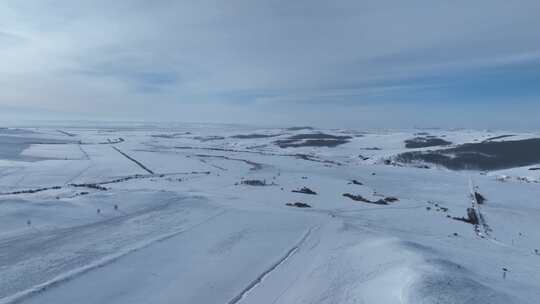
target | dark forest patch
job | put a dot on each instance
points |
(372, 149)
(471, 218)
(498, 137)
(480, 199)
(298, 205)
(425, 141)
(299, 128)
(208, 138)
(359, 198)
(170, 136)
(313, 140)
(480, 156)
(305, 190)
(254, 182)
(254, 136)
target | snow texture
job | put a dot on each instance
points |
(163, 214)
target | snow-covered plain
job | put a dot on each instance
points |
(163, 214)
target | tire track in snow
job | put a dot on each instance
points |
(72, 274)
(86, 156)
(255, 283)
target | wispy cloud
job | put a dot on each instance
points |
(8, 39)
(144, 80)
(190, 56)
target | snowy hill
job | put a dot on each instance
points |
(231, 214)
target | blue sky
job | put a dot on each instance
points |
(343, 63)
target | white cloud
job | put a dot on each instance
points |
(119, 57)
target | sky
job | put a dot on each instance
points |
(340, 63)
